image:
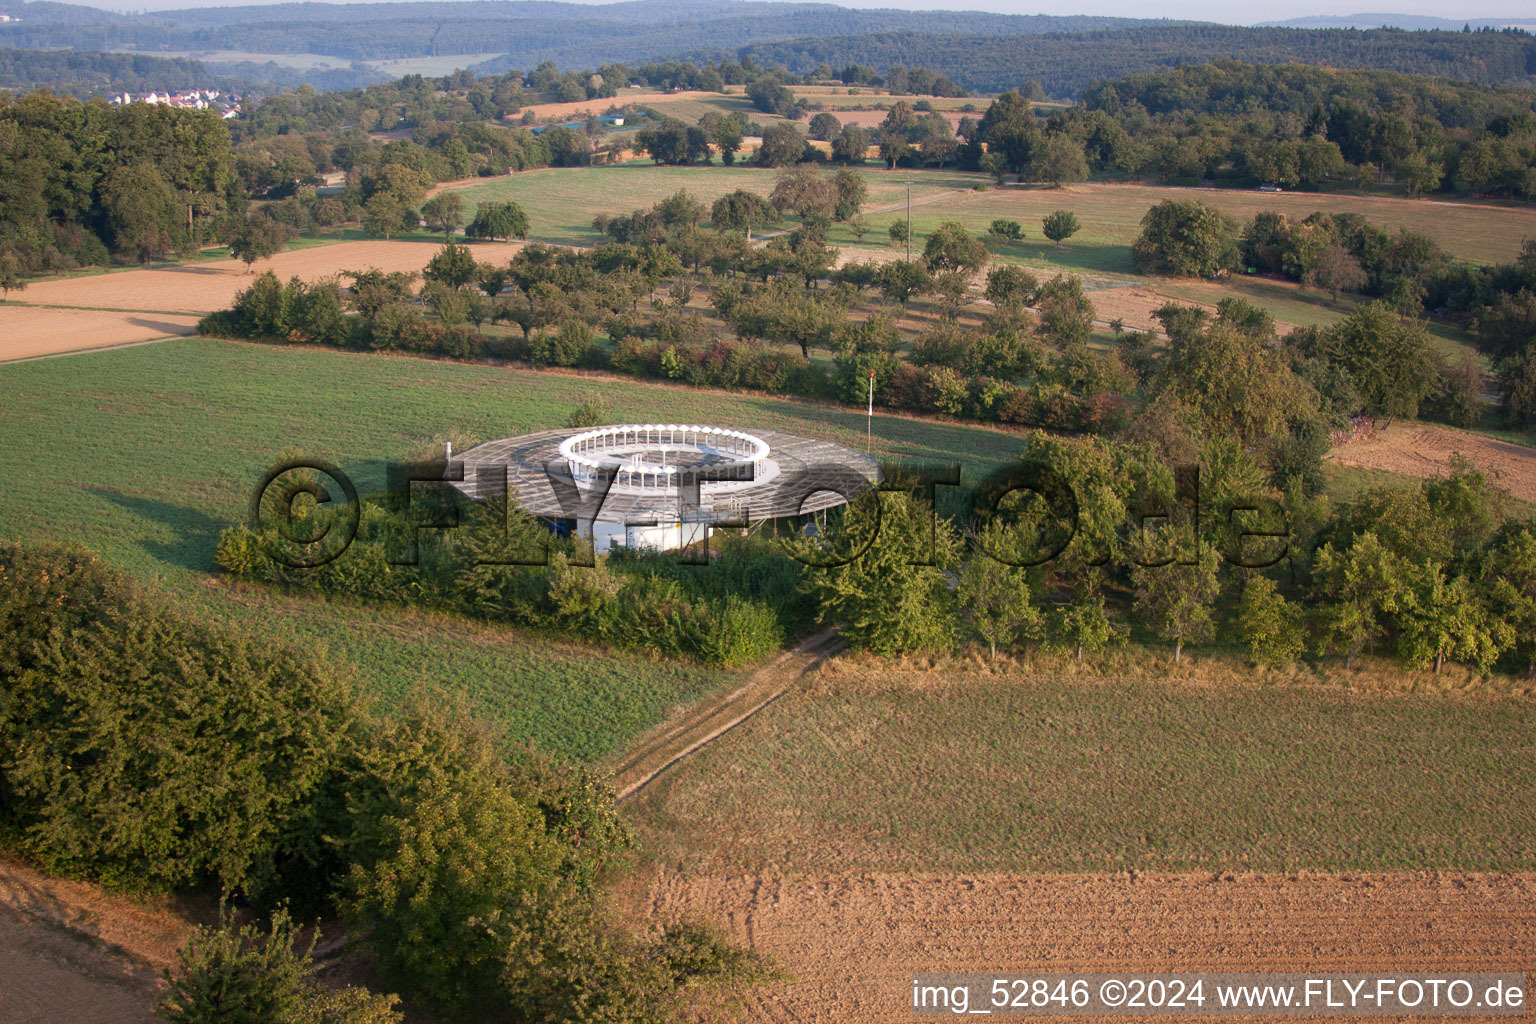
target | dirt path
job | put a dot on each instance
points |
(672, 741)
(850, 944)
(70, 952)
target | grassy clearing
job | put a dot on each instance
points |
(146, 454)
(561, 202)
(1111, 214)
(960, 769)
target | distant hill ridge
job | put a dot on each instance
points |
(1409, 22)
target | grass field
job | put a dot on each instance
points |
(146, 454)
(878, 768)
(561, 202)
(1111, 217)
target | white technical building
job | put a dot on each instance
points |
(665, 485)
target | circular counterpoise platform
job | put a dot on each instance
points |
(668, 472)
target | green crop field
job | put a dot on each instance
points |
(955, 770)
(145, 454)
(561, 202)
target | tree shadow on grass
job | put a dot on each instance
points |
(195, 533)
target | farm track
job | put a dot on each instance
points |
(72, 952)
(675, 740)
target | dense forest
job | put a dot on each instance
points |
(981, 52)
(79, 181)
(84, 73)
(1067, 63)
(524, 34)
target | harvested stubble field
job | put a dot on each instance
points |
(849, 944)
(30, 331)
(122, 307)
(639, 97)
(964, 769)
(1428, 450)
(883, 820)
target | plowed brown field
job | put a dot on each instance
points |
(93, 316)
(851, 944)
(1421, 449)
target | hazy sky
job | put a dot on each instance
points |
(1205, 10)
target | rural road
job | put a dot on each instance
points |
(675, 740)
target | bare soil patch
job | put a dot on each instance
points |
(598, 106)
(173, 298)
(850, 943)
(872, 118)
(29, 331)
(1425, 450)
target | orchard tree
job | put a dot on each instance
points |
(1010, 287)
(384, 215)
(681, 210)
(443, 211)
(851, 192)
(952, 249)
(726, 137)
(10, 273)
(1358, 590)
(825, 127)
(1083, 625)
(994, 594)
(893, 149)
(1185, 238)
(1267, 624)
(803, 190)
(782, 145)
(498, 220)
(894, 597)
(851, 145)
(1003, 231)
(1387, 358)
(674, 142)
(258, 237)
(1509, 580)
(453, 266)
(1060, 226)
(1066, 313)
(742, 211)
(1335, 270)
(1444, 616)
(902, 279)
(1177, 600)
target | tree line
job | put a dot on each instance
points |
(1067, 63)
(154, 753)
(80, 182)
